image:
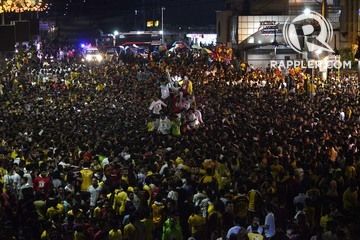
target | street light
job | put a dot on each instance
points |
(307, 11)
(116, 32)
(162, 24)
(319, 51)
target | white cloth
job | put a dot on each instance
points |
(125, 155)
(234, 230)
(173, 195)
(162, 169)
(342, 116)
(29, 178)
(165, 91)
(94, 194)
(199, 116)
(164, 126)
(198, 197)
(270, 225)
(16, 180)
(156, 106)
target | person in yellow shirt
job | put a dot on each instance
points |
(222, 174)
(276, 168)
(350, 198)
(86, 177)
(333, 154)
(197, 224)
(187, 87)
(55, 211)
(348, 112)
(312, 89)
(115, 233)
(254, 197)
(120, 198)
(76, 212)
(3, 172)
(350, 170)
(158, 215)
(130, 230)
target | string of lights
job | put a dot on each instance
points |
(20, 6)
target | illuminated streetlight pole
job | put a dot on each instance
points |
(162, 24)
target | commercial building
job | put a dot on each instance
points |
(254, 27)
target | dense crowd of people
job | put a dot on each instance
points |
(180, 148)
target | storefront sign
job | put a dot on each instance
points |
(269, 27)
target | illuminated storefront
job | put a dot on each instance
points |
(241, 24)
(251, 29)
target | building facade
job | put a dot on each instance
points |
(254, 27)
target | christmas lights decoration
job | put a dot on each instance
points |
(20, 6)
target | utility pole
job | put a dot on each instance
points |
(324, 13)
(162, 24)
(324, 8)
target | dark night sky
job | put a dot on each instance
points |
(178, 12)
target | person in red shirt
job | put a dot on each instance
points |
(42, 183)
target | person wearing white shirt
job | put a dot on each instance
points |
(1, 89)
(165, 91)
(255, 227)
(163, 167)
(94, 191)
(156, 107)
(198, 197)
(269, 228)
(27, 174)
(164, 126)
(16, 179)
(342, 116)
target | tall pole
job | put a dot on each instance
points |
(162, 24)
(136, 25)
(357, 58)
(3, 18)
(324, 9)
